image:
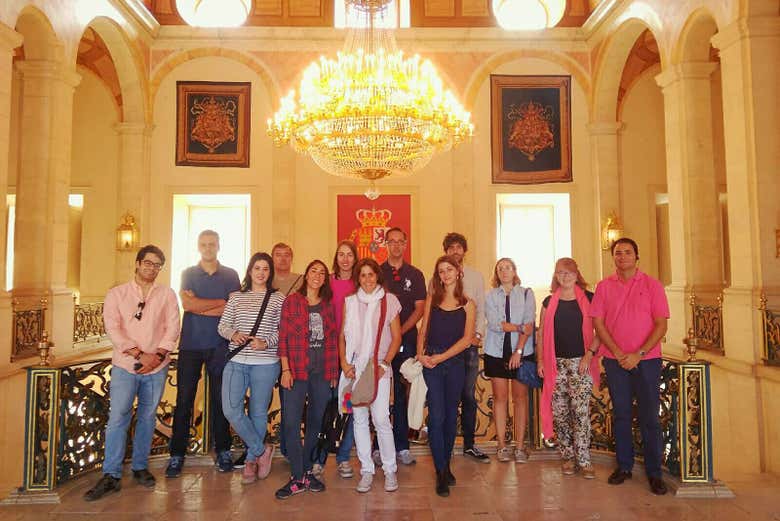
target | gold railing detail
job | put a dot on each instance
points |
(88, 322)
(29, 321)
(770, 322)
(707, 323)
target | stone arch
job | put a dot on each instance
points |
(611, 60)
(129, 67)
(174, 61)
(566, 61)
(693, 44)
(40, 39)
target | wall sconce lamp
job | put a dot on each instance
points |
(127, 235)
(612, 231)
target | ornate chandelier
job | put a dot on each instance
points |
(371, 112)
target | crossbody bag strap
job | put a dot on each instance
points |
(255, 327)
(375, 361)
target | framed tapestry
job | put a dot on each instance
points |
(365, 223)
(530, 121)
(213, 123)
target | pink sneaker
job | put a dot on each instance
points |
(249, 475)
(264, 462)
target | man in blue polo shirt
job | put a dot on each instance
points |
(205, 288)
(408, 284)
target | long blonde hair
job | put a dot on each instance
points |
(495, 281)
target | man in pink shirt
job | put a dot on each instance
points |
(630, 314)
(142, 320)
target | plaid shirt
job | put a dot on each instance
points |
(294, 337)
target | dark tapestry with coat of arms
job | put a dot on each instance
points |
(213, 123)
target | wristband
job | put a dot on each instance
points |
(384, 365)
(594, 351)
(285, 370)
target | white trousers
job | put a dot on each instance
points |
(380, 415)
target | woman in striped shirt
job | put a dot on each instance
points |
(255, 366)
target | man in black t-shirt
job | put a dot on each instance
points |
(408, 284)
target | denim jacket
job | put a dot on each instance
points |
(522, 310)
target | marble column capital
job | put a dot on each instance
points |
(685, 71)
(605, 128)
(48, 70)
(745, 28)
(9, 39)
(131, 128)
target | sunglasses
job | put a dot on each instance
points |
(140, 311)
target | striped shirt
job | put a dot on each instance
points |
(240, 314)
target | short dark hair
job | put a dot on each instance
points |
(149, 248)
(454, 238)
(395, 229)
(246, 284)
(325, 292)
(208, 232)
(371, 263)
(281, 246)
(625, 240)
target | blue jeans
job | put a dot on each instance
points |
(260, 380)
(445, 385)
(347, 442)
(124, 388)
(317, 390)
(468, 413)
(643, 382)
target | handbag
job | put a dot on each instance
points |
(363, 391)
(255, 327)
(527, 374)
(331, 429)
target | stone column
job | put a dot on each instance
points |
(695, 245)
(134, 186)
(605, 165)
(41, 234)
(9, 40)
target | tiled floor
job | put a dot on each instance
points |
(499, 491)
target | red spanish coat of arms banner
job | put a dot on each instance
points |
(365, 222)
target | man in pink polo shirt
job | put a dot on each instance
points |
(142, 320)
(630, 314)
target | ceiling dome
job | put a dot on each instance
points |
(525, 15)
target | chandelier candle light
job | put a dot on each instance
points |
(371, 112)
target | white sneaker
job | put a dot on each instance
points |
(521, 456)
(405, 457)
(345, 469)
(391, 482)
(377, 457)
(365, 482)
(317, 469)
(504, 454)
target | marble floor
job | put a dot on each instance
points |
(498, 491)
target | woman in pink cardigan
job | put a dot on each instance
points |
(567, 355)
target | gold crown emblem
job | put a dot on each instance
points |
(373, 217)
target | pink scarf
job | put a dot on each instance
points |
(550, 368)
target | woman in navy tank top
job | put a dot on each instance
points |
(447, 330)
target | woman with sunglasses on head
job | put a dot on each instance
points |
(446, 331)
(510, 310)
(568, 363)
(309, 355)
(253, 363)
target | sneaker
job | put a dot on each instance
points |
(249, 475)
(345, 469)
(290, 489)
(391, 482)
(504, 454)
(317, 470)
(521, 456)
(224, 461)
(313, 483)
(264, 462)
(144, 478)
(405, 457)
(365, 482)
(475, 453)
(106, 485)
(377, 457)
(240, 461)
(567, 467)
(588, 472)
(175, 464)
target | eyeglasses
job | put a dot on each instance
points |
(565, 273)
(396, 243)
(149, 264)
(140, 312)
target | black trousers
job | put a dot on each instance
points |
(188, 372)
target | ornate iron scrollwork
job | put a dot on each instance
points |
(771, 327)
(708, 323)
(28, 326)
(88, 322)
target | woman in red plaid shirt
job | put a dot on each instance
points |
(308, 351)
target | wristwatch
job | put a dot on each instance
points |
(384, 365)
(642, 352)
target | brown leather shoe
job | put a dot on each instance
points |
(657, 486)
(619, 476)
